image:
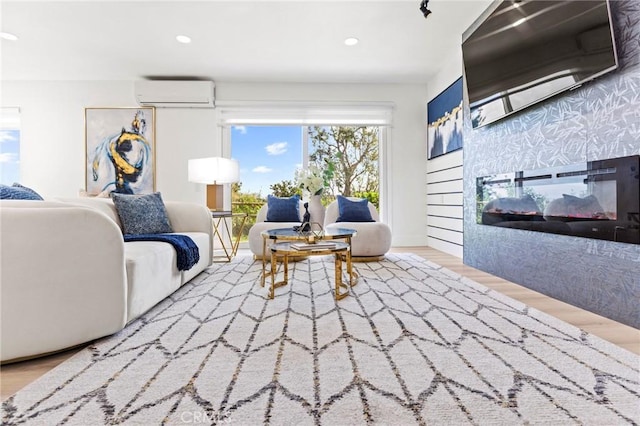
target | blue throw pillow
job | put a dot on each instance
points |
(283, 209)
(18, 192)
(142, 214)
(353, 211)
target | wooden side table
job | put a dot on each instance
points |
(221, 230)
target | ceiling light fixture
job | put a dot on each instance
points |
(351, 41)
(424, 8)
(8, 36)
(183, 39)
(519, 21)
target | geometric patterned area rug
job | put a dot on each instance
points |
(414, 343)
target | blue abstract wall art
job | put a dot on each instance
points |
(445, 121)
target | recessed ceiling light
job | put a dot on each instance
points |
(183, 39)
(8, 36)
(351, 41)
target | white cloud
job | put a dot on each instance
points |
(8, 157)
(277, 148)
(262, 169)
(6, 136)
(241, 129)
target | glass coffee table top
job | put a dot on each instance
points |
(325, 234)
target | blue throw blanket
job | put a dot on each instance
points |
(186, 249)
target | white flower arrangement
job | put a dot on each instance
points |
(313, 179)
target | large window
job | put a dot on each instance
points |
(271, 139)
(270, 155)
(9, 145)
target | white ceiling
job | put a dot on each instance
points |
(249, 41)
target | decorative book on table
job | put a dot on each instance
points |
(313, 246)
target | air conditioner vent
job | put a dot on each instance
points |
(175, 94)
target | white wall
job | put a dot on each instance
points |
(52, 150)
(52, 135)
(444, 178)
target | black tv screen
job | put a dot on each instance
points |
(521, 52)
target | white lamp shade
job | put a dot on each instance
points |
(213, 170)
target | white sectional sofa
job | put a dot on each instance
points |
(67, 276)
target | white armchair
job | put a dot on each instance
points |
(255, 239)
(373, 239)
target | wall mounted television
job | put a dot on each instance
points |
(521, 52)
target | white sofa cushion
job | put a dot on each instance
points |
(153, 263)
(203, 242)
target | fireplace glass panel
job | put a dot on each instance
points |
(597, 199)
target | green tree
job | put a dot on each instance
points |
(248, 203)
(374, 197)
(285, 188)
(354, 152)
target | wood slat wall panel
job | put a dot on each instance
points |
(445, 202)
(444, 211)
(445, 246)
(446, 222)
(445, 199)
(446, 235)
(445, 161)
(449, 187)
(453, 173)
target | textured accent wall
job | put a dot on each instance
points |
(597, 121)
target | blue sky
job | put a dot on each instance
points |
(266, 154)
(9, 156)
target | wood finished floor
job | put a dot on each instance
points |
(14, 377)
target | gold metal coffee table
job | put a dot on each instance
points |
(341, 251)
(290, 235)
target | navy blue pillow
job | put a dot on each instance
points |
(283, 209)
(18, 192)
(353, 211)
(142, 214)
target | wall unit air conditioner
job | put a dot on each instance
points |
(175, 94)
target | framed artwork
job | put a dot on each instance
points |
(444, 121)
(120, 150)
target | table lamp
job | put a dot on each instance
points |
(214, 171)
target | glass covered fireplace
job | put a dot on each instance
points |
(598, 199)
